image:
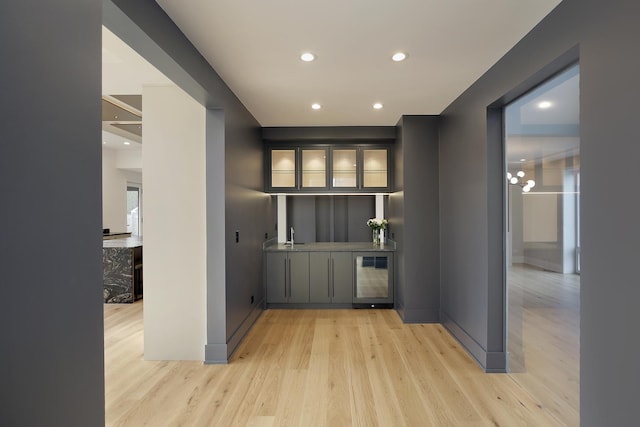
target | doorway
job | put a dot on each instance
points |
(542, 257)
(134, 209)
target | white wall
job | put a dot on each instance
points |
(174, 228)
(114, 193)
(114, 185)
(129, 159)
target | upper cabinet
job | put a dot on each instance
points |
(313, 168)
(283, 168)
(328, 168)
(375, 173)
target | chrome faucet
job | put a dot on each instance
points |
(292, 236)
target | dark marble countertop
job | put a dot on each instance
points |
(126, 242)
(331, 247)
(108, 236)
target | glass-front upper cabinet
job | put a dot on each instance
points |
(283, 168)
(334, 168)
(375, 168)
(344, 168)
(314, 168)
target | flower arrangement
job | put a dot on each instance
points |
(377, 224)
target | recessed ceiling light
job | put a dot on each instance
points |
(399, 56)
(544, 104)
(523, 160)
(307, 57)
(316, 106)
(127, 143)
(377, 106)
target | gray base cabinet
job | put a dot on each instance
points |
(330, 277)
(287, 277)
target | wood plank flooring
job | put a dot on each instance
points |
(313, 368)
(544, 338)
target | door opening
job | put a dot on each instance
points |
(542, 257)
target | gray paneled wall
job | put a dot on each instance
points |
(330, 218)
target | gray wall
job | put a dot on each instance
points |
(230, 312)
(471, 209)
(414, 219)
(51, 363)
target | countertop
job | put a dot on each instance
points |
(127, 242)
(330, 247)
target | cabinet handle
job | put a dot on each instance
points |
(333, 279)
(285, 277)
(329, 278)
(289, 277)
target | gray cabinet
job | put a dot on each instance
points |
(334, 168)
(331, 277)
(287, 277)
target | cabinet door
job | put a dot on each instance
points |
(314, 168)
(277, 269)
(375, 173)
(283, 168)
(298, 270)
(319, 286)
(342, 277)
(344, 168)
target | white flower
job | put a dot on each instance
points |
(377, 223)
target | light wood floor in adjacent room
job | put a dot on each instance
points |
(544, 338)
(313, 368)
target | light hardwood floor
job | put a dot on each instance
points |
(313, 368)
(544, 338)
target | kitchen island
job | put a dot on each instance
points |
(122, 269)
(329, 275)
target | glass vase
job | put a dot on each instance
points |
(376, 237)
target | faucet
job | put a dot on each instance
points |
(292, 232)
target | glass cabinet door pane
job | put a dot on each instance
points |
(344, 168)
(283, 168)
(375, 168)
(372, 276)
(314, 168)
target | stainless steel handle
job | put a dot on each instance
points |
(329, 278)
(285, 277)
(289, 278)
(333, 279)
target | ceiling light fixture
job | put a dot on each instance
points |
(544, 105)
(127, 143)
(399, 56)
(307, 57)
(377, 106)
(316, 106)
(523, 160)
(518, 179)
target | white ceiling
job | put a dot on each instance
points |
(255, 47)
(124, 72)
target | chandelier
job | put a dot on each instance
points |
(518, 179)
